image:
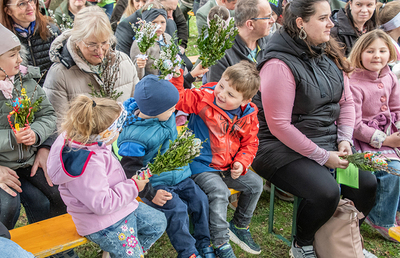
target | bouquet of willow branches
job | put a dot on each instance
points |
(169, 60)
(109, 77)
(369, 161)
(213, 42)
(66, 21)
(180, 153)
(145, 36)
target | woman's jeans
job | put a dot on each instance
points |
(216, 186)
(383, 214)
(40, 200)
(187, 198)
(133, 235)
(320, 194)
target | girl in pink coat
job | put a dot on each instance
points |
(93, 185)
(376, 95)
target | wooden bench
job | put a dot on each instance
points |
(394, 232)
(48, 237)
(51, 236)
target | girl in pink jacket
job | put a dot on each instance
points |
(93, 185)
(376, 95)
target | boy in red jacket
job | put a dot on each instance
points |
(223, 114)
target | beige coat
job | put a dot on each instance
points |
(152, 52)
(69, 76)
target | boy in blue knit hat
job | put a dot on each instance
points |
(151, 123)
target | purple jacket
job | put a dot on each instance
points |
(377, 103)
(92, 184)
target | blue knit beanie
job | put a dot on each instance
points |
(155, 96)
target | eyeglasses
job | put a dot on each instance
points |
(263, 18)
(94, 47)
(24, 5)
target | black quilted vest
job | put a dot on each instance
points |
(37, 50)
(319, 87)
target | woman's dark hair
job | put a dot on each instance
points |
(305, 9)
(370, 24)
(41, 21)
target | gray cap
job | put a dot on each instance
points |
(8, 40)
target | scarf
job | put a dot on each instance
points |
(25, 32)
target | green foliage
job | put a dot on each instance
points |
(169, 60)
(213, 42)
(114, 95)
(180, 153)
(371, 162)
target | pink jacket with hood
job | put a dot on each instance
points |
(92, 184)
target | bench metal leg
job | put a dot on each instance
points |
(271, 217)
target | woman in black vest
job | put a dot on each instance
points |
(34, 30)
(306, 115)
(358, 17)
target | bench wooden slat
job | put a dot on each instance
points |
(395, 233)
(49, 236)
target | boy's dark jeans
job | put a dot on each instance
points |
(187, 197)
(216, 185)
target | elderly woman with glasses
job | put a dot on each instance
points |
(34, 31)
(85, 63)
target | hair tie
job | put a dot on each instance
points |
(94, 103)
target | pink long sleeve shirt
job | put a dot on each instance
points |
(278, 106)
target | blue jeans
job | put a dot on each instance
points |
(133, 235)
(383, 214)
(187, 197)
(39, 199)
(10, 249)
(215, 185)
(108, 8)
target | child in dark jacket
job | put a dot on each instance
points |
(223, 114)
(151, 123)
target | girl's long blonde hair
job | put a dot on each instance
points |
(362, 44)
(89, 116)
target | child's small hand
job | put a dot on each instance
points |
(140, 183)
(198, 71)
(237, 170)
(392, 140)
(141, 63)
(162, 197)
(26, 136)
(177, 72)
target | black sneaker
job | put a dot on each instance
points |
(225, 251)
(242, 237)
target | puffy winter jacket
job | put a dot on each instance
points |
(15, 155)
(37, 50)
(70, 75)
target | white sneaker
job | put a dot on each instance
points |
(368, 254)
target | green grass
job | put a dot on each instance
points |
(270, 245)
